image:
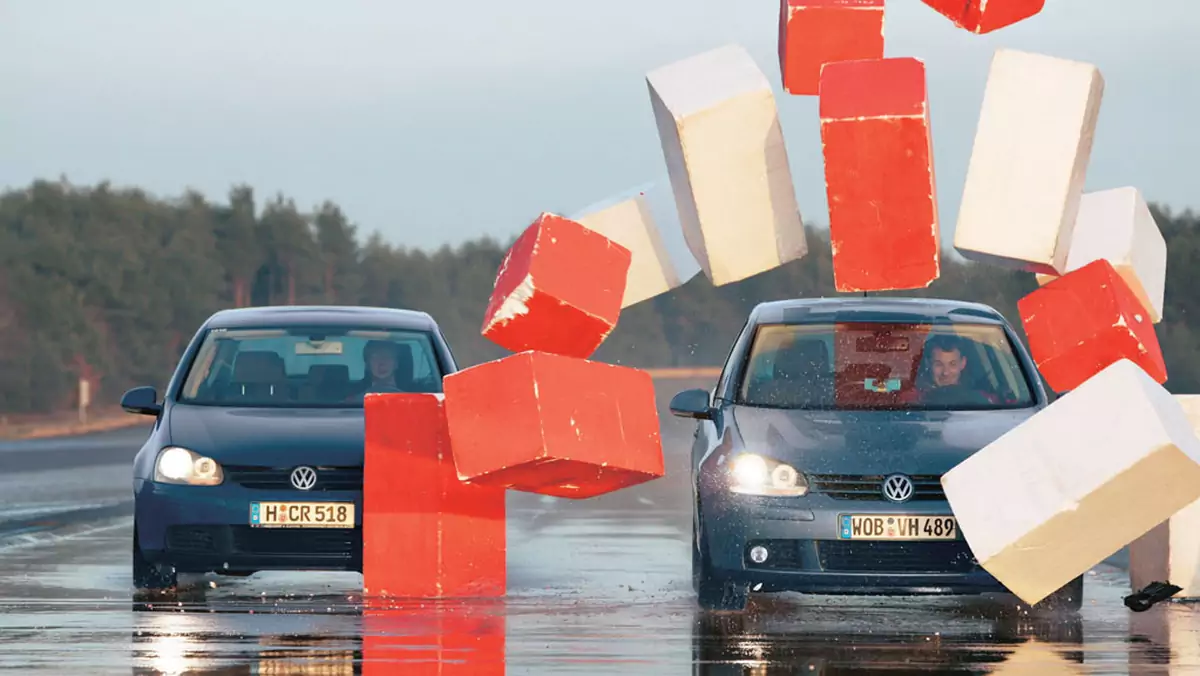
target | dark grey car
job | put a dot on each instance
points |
(819, 453)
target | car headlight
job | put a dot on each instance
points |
(752, 474)
(180, 466)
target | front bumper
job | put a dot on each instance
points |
(200, 529)
(805, 553)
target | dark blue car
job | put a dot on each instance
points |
(255, 461)
(819, 453)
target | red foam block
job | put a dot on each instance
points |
(879, 177)
(813, 33)
(543, 423)
(985, 16)
(425, 533)
(439, 640)
(559, 290)
(1086, 320)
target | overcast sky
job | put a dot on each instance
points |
(434, 121)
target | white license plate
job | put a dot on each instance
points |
(302, 514)
(897, 527)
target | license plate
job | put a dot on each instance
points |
(302, 514)
(897, 527)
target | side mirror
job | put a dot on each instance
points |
(691, 404)
(142, 401)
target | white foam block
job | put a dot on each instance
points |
(728, 167)
(1028, 165)
(638, 222)
(1117, 225)
(1076, 482)
(1171, 551)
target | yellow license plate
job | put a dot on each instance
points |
(897, 527)
(302, 514)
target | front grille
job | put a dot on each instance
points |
(328, 542)
(870, 487)
(895, 557)
(285, 541)
(279, 478)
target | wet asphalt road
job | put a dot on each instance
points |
(596, 587)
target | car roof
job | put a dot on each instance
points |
(321, 315)
(874, 309)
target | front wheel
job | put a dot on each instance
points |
(713, 593)
(148, 576)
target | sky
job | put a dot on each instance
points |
(435, 122)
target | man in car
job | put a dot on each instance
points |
(384, 370)
(947, 360)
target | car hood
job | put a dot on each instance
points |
(871, 442)
(270, 437)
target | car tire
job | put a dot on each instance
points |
(148, 576)
(713, 593)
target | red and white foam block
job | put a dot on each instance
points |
(426, 534)
(1078, 481)
(449, 638)
(879, 179)
(553, 425)
(1117, 225)
(1029, 162)
(1171, 552)
(630, 220)
(725, 155)
(813, 33)
(1084, 321)
(559, 289)
(985, 16)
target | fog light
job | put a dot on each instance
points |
(758, 554)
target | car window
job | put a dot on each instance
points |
(309, 367)
(870, 365)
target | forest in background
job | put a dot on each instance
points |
(111, 284)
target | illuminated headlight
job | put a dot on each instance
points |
(180, 466)
(755, 475)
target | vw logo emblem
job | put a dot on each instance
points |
(897, 488)
(304, 478)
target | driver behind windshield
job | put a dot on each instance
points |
(384, 370)
(947, 361)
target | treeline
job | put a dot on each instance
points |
(112, 283)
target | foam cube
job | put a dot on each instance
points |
(1029, 161)
(559, 289)
(1171, 552)
(543, 423)
(985, 16)
(883, 218)
(425, 533)
(813, 33)
(446, 639)
(1084, 321)
(1074, 483)
(630, 220)
(728, 165)
(1117, 225)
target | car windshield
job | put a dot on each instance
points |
(876, 366)
(309, 367)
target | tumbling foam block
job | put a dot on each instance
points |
(879, 178)
(543, 423)
(425, 533)
(813, 33)
(630, 221)
(1029, 161)
(1084, 321)
(728, 166)
(1117, 225)
(1171, 552)
(1074, 483)
(559, 289)
(450, 638)
(985, 16)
